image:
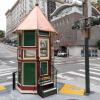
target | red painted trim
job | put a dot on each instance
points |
(22, 44)
(26, 60)
(37, 56)
(27, 87)
(27, 47)
(49, 62)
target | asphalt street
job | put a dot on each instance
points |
(70, 69)
(73, 72)
(8, 64)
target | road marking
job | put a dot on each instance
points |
(92, 64)
(5, 74)
(95, 69)
(7, 69)
(90, 72)
(10, 77)
(6, 83)
(97, 65)
(64, 77)
(83, 75)
(11, 61)
(3, 63)
(57, 63)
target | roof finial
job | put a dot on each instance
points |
(37, 3)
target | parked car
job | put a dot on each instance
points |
(62, 54)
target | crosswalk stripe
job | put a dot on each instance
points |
(64, 77)
(5, 74)
(7, 69)
(97, 65)
(58, 63)
(6, 83)
(10, 77)
(83, 75)
(92, 64)
(11, 61)
(95, 69)
(90, 72)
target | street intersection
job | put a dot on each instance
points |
(71, 70)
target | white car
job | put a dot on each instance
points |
(62, 54)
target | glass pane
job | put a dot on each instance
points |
(44, 47)
(30, 53)
(44, 33)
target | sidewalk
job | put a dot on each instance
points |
(15, 95)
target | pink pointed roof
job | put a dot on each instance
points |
(36, 20)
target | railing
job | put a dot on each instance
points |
(54, 75)
(51, 78)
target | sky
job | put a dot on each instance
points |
(4, 6)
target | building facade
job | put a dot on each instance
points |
(63, 18)
(17, 13)
(21, 8)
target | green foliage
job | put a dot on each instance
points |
(98, 44)
(2, 34)
(97, 5)
(86, 23)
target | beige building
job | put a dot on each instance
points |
(63, 18)
(18, 12)
(20, 9)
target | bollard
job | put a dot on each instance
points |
(14, 80)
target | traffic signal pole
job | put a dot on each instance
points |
(87, 35)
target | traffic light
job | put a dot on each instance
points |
(95, 20)
(76, 25)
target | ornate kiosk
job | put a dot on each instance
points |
(36, 72)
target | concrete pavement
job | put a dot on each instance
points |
(15, 95)
(8, 94)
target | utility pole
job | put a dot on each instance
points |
(87, 35)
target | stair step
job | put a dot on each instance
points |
(48, 90)
(46, 83)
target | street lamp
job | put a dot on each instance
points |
(58, 42)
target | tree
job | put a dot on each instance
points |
(98, 44)
(97, 5)
(2, 33)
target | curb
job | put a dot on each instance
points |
(72, 89)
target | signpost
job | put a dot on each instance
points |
(87, 35)
(85, 24)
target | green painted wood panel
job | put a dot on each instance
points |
(19, 72)
(29, 73)
(44, 68)
(19, 39)
(29, 38)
